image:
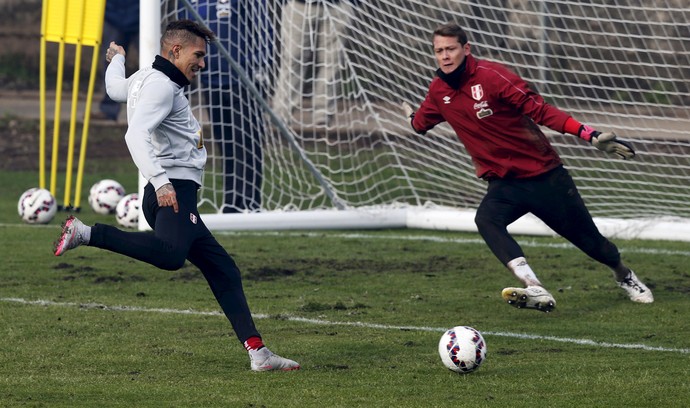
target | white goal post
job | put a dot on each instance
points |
(333, 148)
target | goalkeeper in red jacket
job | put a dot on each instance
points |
(496, 116)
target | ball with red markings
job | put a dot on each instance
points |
(127, 211)
(462, 349)
(104, 196)
(37, 206)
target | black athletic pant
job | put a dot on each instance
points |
(180, 236)
(553, 198)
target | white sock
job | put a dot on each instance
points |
(85, 233)
(260, 354)
(523, 272)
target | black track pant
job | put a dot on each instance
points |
(554, 199)
(178, 237)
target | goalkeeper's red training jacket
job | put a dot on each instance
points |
(494, 113)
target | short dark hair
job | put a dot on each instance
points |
(184, 31)
(451, 30)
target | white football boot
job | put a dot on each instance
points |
(531, 297)
(637, 290)
(264, 360)
(72, 235)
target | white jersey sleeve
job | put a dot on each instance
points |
(115, 81)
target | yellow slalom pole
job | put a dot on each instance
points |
(91, 35)
(74, 24)
(72, 127)
(56, 22)
(56, 125)
(42, 96)
(85, 130)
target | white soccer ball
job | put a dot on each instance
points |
(37, 206)
(462, 349)
(104, 196)
(127, 211)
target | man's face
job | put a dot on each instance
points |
(189, 58)
(449, 53)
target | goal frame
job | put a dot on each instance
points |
(430, 217)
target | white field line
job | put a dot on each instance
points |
(476, 241)
(583, 342)
(359, 235)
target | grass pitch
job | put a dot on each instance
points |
(362, 311)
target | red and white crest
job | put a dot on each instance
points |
(477, 92)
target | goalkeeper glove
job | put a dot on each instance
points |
(409, 114)
(407, 110)
(607, 142)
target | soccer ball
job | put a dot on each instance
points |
(104, 196)
(37, 206)
(127, 211)
(462, 349)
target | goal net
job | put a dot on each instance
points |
(301, 107)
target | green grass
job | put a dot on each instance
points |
(362, 311)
